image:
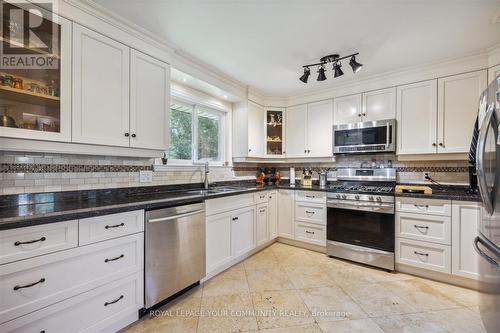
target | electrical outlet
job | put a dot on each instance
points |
(145, 176)
(426, 176)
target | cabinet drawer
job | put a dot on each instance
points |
(426, 255)
(261, 197)
(96, 229)
(309, 212)
(310, 196)
(31, 284)
(92, 311)
(22, 243)
(310, 233)
(221, 205)
(429, 228)
(426, 206)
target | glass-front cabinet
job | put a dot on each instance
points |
(35, 73)
(275, 133)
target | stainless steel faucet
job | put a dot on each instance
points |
(207, 170)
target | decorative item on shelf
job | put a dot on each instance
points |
(259, 179)
(18, 83)
(307, 178)
(164, 158)
(332, 58)
(5, 119)
(8, 80)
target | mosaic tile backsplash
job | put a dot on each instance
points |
(30, 173)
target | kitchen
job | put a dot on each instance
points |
(157, 179)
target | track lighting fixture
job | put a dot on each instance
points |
(337, 70)
(306, 74)
(356, 66)
(321, 73)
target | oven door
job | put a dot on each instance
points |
(370, 136)
(371, 229)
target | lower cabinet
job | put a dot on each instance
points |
(242, 231)
(432, 256)
(218, 240)
(310, 233)
(465, 219)
(286, 207)
(262, 224)
(272, 214)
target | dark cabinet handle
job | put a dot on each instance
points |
(235, 218)
(359, 114)
(133, 135)
(42, 280)
(305, 151)
(364, 114)
(308, 151)
(127, 134)
(421, 206)
(421, 254)
(262, 210)
(249, 150)
(421, 226)
(310, 196)
(309, 212)
(434, 144)
(43, 239)
(114, 226)
(441, 144)
(113, 302)
(113, 259)
(309, 232)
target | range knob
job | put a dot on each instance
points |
(370, 198)
(344, 196)
(379, 199)
(356, 197)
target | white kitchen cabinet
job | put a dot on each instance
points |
(101, 112)
(493, 72)
(149, 102)
(256, 130)
(286, 205)
(272, 214)
(347, 109)
(310, 233)
(242, 231)
(465, 220)
(426, 255)
(218, 240)
(379, 104)
(262, 224)
(416, 116)
(319, 129)
(296, 127)
(458, 97)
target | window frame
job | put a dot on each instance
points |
(195, 161)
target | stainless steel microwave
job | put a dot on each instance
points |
(366, 137)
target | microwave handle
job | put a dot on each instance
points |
(389, 134)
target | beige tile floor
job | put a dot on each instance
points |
(284, 289)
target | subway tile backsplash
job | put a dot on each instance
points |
(31, 173)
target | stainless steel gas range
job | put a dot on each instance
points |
(360, 218)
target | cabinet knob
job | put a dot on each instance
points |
(127, 134)
(308, 151)
(305, 151)
(235, 218)
(359, 114)
(364, 114)
(434, 144)
(133, 135)
(249, 150)
(441, 144)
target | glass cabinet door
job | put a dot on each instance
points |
(274, 133)
(34, 73)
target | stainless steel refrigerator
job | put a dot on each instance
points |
(487, 243)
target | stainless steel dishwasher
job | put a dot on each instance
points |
(174, 251)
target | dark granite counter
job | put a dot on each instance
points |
(22, 210)
(447, 192)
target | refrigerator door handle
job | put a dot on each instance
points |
(480, 154)
(491, 247)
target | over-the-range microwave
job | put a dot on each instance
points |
(365, 137)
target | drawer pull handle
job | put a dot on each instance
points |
(309, 212)
(113, 302)
(309, 232)
(235, 218)
(114, 226)
(43, 239)
(421, 226)
(42, 280)
(113, 259)
(421, 254)
(262, 210)
(262, 196)
(310, 196)
(421, 206)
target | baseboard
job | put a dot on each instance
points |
(438, 276)
(304, 245)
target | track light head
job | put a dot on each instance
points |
(321, 73)
(337, 71)
(356, 66)
(306, 74)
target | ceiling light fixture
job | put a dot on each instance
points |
(332, 58)
(321, 73)
(306, 74)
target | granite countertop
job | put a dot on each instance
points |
(24, 210)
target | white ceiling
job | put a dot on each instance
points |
(264, 43)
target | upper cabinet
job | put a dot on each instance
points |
(368, 106)
(296, 140)
(458, 98)
(36, 96)
(149, 102)
(101, 113)
(416, 118)
(379, 104)
(121, 97)
(319, 129)
(256, 131)
(275, 133)
(347, 109)
(437, 116)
